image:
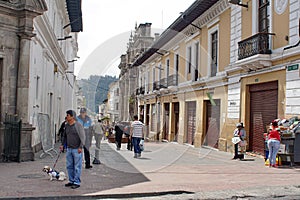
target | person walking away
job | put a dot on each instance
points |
(127, 134)
(74, 137)
(98, 131)
(61, 132)
(241, 133)
(273, 145)
(136, 134)
(86, 122)
(118, 134)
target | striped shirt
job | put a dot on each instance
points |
(137, 129)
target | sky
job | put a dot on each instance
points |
(107, 25)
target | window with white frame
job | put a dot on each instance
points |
(213, 50)
(189, 59)
(197, 56)
(176, 68)
(167, 68)
(153, 78)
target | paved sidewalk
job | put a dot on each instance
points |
(164, 168)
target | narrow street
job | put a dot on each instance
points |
(165, 170)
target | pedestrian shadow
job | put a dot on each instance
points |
(143, 158)
(113, 172)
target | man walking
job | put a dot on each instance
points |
(86, 122)
(136, 134)
(119, 134)
(74, 137)
(98, 131)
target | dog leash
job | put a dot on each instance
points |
(56, 160)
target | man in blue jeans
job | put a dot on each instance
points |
(74, 137)
(136, 134)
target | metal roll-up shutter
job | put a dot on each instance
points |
(191, 122)
(263, 109)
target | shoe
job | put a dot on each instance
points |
(139, 155)
(135, 155)
(75, 186)
(69, 185)
(89, 167)
(96, 162)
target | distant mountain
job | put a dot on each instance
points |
(95, 90)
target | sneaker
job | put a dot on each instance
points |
(69, 184)
(96, 162)
(88, 166)
(75, 186)
(135, 155)
(139, 155)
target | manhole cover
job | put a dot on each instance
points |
(31, 176)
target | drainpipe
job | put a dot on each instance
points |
(295, 45)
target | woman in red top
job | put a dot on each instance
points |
(273, 145)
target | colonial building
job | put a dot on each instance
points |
(113, 101)
(138, 43)
(38, 48)
(218, 64)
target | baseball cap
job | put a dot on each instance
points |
(82, 110)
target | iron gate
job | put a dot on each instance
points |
(12, 138)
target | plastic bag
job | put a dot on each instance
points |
(142, 145)
(236, 140)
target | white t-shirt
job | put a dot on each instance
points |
(137, 129)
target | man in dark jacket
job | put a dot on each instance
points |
(118, 135)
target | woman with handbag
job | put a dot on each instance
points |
(241, 134)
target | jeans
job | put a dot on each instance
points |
(273, 146)
(74, 164)
(136, 145)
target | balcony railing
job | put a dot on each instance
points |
(156, 85)
(164, 83)
(256, 44)
(172, 80)
(140, 90)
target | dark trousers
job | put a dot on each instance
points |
(87, 157)
(129, 143)
(236, 151)
(118, 138)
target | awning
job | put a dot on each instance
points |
(75, 15)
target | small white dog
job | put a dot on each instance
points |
(52, 173)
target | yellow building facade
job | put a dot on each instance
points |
(218, 64)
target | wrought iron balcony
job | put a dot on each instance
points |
(172, 80)
(256, 44)
(142, 90)
(164, 83)
(156, 85)
(137, 91)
